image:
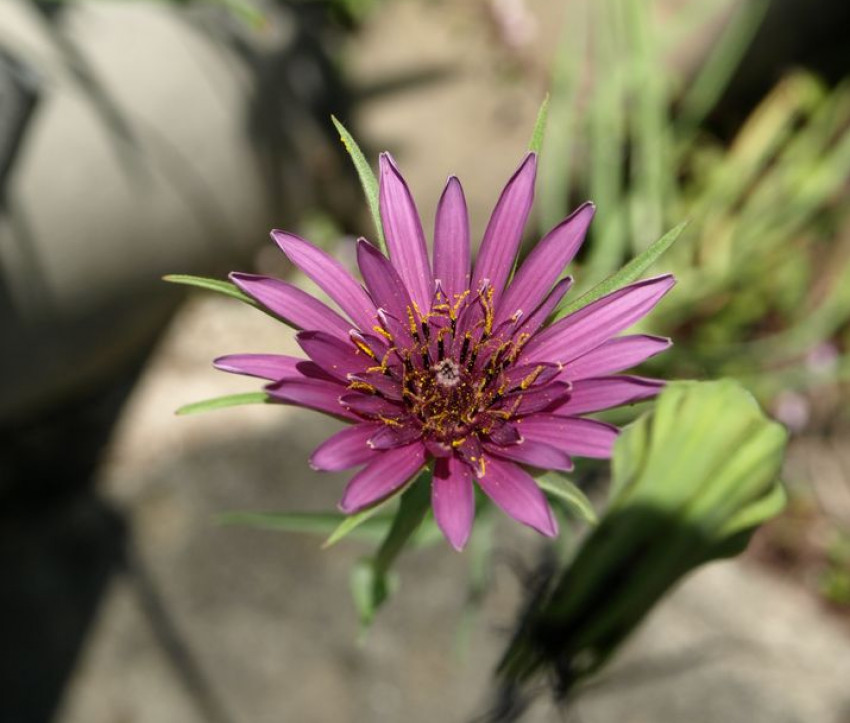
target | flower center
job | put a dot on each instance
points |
(452, 367)
(452, 372)
(447, 373)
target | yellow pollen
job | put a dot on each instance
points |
(383, 332)
(361, 386)
(529, 380)
(363, 347)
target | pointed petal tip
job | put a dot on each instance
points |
(667, 280)
(243, 279)
(367, 248)
(346, 508)
(287, 241)
(386, 162)
(225, 364)
(457, 535)
(528, 164)
(279, 236)
(454, 186)
(458, 544)
(550, 529)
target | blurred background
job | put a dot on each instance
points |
(145, 138)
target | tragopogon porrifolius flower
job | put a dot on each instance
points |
(446, 361)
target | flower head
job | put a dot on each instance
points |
(451, 362)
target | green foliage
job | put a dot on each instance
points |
(371, 583)
(692, 480)
(353, 523)
(761, 279)
(562, 489)
(221, 287)
(555, 165)
(632, 271)
(367, 179)
(539, 132)
(231, 400)
(834, 582)
(369, 527)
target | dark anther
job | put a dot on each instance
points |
(464, 349)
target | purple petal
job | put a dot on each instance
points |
(403, 231)
(292, 304)
(514, 490)
(531, 324)
(545, 263)
(390, 436)
(535, 400)
(330, 276)
(389, 471)
(451, 240)
(387, 385)
(536, 454)
(615, 355)
(436, 449)
(265, 366)
(384, 283)
(453, 500)
(573, 435)
(471, 453)
(371, 405)
(504, 231)
(347, 448)
(589, 327)
(529, 375)
(504, 434)
(337, 358)
(595, 394)
(323, 396)
(369, 344)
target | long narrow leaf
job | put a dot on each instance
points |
(632, 271)
(539, 132)
(217, 285)
(556, 161)
(310, 522)
(350, 523)
(367, 178)
(232, 400)
(607, 141)
(705, 90)
(576, 501)
(371, 582)
(651, 173)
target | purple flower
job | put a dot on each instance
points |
(449, 362)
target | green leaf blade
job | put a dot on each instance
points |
(631, 272)
(371, 581)
(569, 493)
(231, 400)
(539, 132)
(320, 523)
(217, 285)
(367, 178)
(349, 523)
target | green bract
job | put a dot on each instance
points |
(692, 480)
